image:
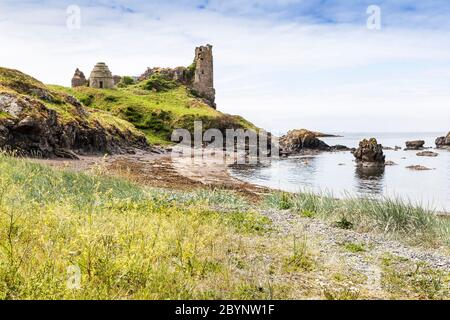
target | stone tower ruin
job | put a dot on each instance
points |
(78, 79)
(101, 77)
(204, 74)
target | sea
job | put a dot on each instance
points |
(336, 173)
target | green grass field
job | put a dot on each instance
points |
(155, 113)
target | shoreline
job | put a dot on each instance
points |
(161, 170)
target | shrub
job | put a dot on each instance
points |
(126, 81)
(87, 100)
(190, 72)
(159, 82)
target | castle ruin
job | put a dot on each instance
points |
(204, 73)
(78, 80)
(199, 77)
(101, 77)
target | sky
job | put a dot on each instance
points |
(282, 64)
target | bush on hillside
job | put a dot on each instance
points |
(159, 82)
(126, 81)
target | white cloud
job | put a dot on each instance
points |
(280, 75)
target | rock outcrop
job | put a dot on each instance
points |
(415, 145)
(443, 142)
(296, 141)
(302, 140)
(36, 121)
(369, 153)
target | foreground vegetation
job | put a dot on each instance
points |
(399, 219)
(133, 242)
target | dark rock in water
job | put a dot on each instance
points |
(340, 147)
(396, 148)
(418, 168)
(390, 163)
(415, 145)
(427, 154)
(303, 141)
(296, 141)
(443, 142)
(369, 153)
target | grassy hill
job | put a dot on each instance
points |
(156, 107)
(54, 120)
(37, 120)
(22, 85)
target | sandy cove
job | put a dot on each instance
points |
(164, 170)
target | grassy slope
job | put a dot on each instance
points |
(22, 85)
(155, 113)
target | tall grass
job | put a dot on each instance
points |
(127, 241)
(132, 242)
(390, 216)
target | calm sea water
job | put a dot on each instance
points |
(337, 173)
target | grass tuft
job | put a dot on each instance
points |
(389, 216)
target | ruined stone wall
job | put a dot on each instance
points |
(204, 73)
(176, 74)
(78, 80)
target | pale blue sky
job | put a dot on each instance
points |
(282, 64)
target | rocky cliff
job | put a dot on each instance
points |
(38, 121)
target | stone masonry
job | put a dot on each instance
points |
(101, 77)
(78, 79)
(204, 73)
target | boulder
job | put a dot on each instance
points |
(369, 153)
(396, 148)
(418, 168)
(427, 154)
(443, 142)
(297, 141)
(415, 145)
(340, 147)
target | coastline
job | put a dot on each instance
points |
(337, 254)
(161, 170)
